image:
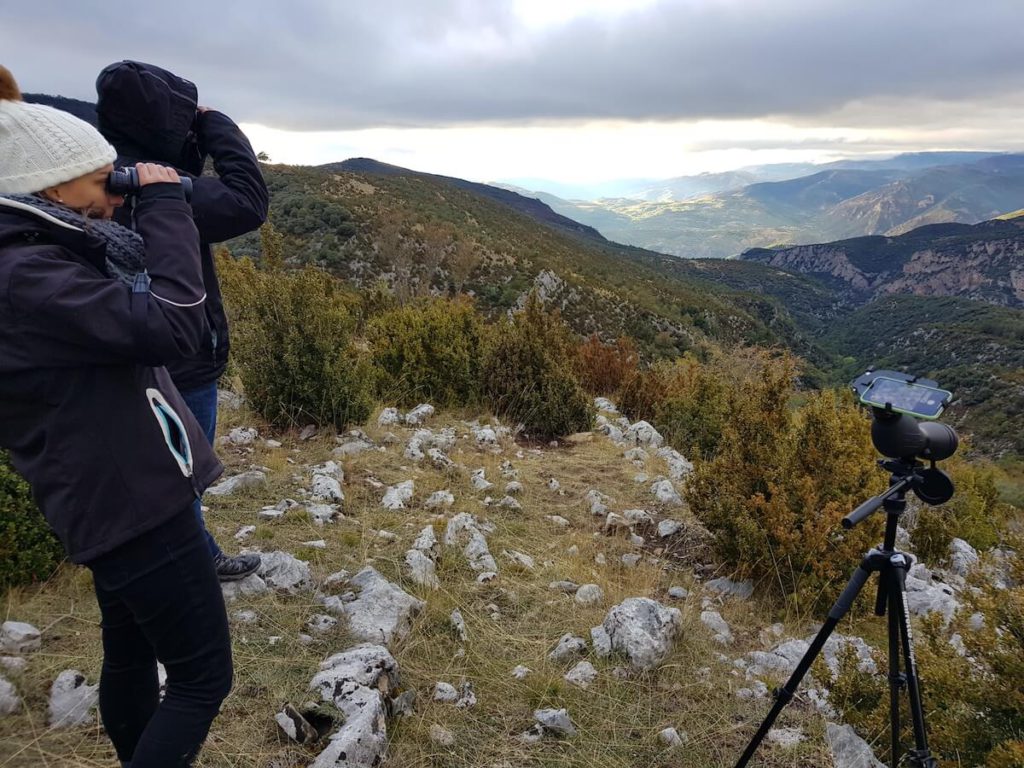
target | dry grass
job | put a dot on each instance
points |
(618, 719)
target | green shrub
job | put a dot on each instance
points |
(292, 334)
(29, 551)
(528, 374)
(428, 351)
(782, 480)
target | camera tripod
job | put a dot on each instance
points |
(891, 565)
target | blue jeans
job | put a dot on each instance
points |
(160, 600)
(202, 401)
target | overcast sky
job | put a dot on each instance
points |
(573, 90)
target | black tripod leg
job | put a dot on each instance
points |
(921, 755)
(896, 678)
(785, 694)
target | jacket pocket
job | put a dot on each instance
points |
(173, 430)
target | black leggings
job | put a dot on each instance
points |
(161, 600)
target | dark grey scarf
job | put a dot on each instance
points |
(126, 252)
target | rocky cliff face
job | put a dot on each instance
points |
(984, 262)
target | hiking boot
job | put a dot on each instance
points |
(237, 567)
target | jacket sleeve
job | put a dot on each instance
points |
(70, 314)
(236, 200)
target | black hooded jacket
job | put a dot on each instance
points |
(89, 418)
(149, 115)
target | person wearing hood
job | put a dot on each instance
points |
(89, 314)
(152, 115)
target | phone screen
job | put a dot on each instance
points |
(905, 397)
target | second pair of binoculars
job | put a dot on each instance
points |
(124, 182)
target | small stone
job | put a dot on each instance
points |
(757, 691)
(486, 576)
(668, 528)
(19, 637)
(388, 417)
(787, 738)
(582, 675)
(553, 484)
(569, 587)
(242, 436)
(558, 520)
(397, 496)
(555, 721)
(713, 620)
(308, 432)
(600, 559)
(568, 647)
(520, 672)
(13, 664)
(630, 561)
(678, 593)
(445, 693)
(589, 594)
(441, 735)
(419, 414)
(513, 488)
(243, 482)
(71, 700)
(440, 499)
(315, 544)
(245, 532)
(467, 698)
(458, 624)
(244, 617)
(670, 737)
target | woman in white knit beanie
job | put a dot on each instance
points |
(90, 312)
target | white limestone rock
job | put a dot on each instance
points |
(246, 481)
(72, 700)
(419, 414)
(10, 702)
(445, 693)
(388, 417)
(356, 682)
(520, 558)
(479, 482)
(382, 612)
(642, 629)
(719, 627)
(668, 528)
(520, 672)
(441, 735)
(421, 569)
(642, 433)
(589, 594)
(439, 499)
(242, 436)
(963, 557)
(848, 749)
(248, 587)
(397, 496)
(569, 647)
(740, 590)
(666, 493)
(582, 675)
(282, 571)
(464, 528)
(679, 468)
(426, 542)
(555, 721)
(19, 637)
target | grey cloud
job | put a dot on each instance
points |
(316, 64)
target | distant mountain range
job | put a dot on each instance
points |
(705, 217)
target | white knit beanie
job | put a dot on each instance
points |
(41, 147)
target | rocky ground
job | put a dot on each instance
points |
(435, 593)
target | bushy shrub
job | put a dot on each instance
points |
(428, 351)
(974, 701)
(292, 340)
(782, 479)
(604, 368)
(528, 374)
(974, 514)
(29, 551)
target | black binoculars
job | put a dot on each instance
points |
(124, 182)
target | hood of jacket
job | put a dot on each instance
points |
(147, 112)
